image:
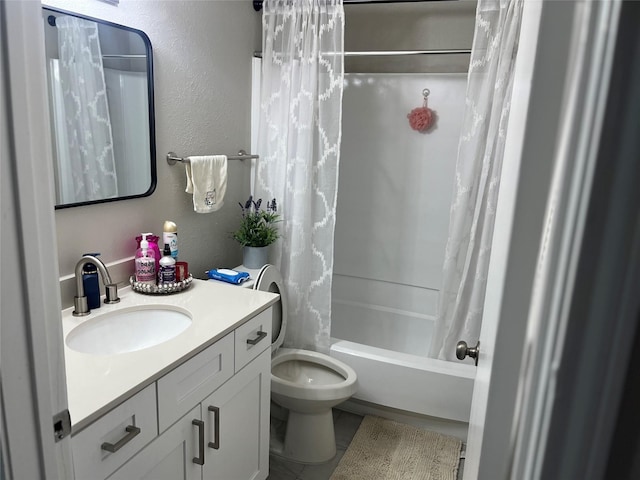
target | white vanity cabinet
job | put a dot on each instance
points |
(212, 416)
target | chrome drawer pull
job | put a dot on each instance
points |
(200, 458)
(253, 341)
(114, 447)
(216, 428)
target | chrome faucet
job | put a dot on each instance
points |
(80, 300)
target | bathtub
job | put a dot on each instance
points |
(388, 350)
(408, 382)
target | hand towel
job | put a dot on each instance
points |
(207, 181)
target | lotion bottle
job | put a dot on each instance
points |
(167, 273)
(145, 263)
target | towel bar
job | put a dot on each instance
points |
(172, 158)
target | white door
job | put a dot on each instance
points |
(557, 95)
(33, 379)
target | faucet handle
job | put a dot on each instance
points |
(111, 291)
(81, 306)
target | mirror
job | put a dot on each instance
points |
(100, 79)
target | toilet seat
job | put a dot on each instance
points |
(270, 280)
(340, 379)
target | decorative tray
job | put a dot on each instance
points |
(162, 289)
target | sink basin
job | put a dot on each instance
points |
(128, 330)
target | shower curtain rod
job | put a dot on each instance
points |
(389, 53)
(257, 4)
(128, 56)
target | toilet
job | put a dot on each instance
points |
(306, 383)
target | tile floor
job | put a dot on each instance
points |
(346, 425)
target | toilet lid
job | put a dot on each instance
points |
(270, 280)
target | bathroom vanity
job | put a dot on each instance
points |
(194, 406)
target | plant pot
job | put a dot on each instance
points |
(255, 257)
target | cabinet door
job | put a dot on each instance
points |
(170, 456)
(238, 412)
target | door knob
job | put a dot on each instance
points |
(463, 350)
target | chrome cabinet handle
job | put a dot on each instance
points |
(200, 458)
(253, 341)
(131, 430)
(216, 428)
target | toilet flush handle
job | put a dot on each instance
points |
(463, 350)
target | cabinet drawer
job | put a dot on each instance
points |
(91, 456)
(169, 456)
(191, 382)
(253, 337)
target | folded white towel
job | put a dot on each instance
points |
(207, 180)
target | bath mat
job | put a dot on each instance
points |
(386, 450)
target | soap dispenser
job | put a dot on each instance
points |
(145, 263)
(90, 283)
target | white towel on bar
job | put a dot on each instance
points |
(207, 181)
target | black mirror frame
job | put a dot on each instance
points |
(150, 91)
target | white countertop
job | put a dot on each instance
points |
(98, 383)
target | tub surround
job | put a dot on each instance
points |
(388, 267)
(98, 383)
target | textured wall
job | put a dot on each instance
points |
(202, 54)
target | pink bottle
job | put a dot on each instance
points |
(145, 263)
(153, 245)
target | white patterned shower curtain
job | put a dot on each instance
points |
(299, 146)
(90, 166)
(477, 177)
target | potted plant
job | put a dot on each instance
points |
(257, 231)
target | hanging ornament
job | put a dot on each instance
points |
(422, 118)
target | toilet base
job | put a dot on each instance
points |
(310, 437)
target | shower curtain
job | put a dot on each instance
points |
(477, 177)
(89, 148)
(299, 146)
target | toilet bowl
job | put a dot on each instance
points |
(306, 383)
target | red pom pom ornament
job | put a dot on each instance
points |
(422, 118)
